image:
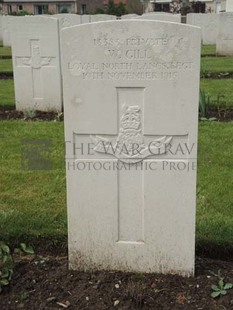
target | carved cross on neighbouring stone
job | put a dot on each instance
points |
(36, 62)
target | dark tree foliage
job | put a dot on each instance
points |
(116, 9)
(199, 7)
(113, 9)
(134, 6)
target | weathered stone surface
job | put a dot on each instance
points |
(68, 20)
(1, 30)
(102, 17)
(129, 16)
(131, 94)
(6, 21)
(175, 18)
(209, 24)
(85, 19)
(229, 6)
(36, 61)
(224, 45)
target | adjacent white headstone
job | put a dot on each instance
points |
(131, 112)
(1, 30)
(6, 21)
(224, 45)
(68, 20)
(85, 19)
(229, 6)
(129, 16)
(102, 17)
(159, 13)
(36, 61)
(175, 18)
(208, 23)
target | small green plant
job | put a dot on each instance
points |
(204, 102)
(7, 262)
(223, 107)
(6, 265)
(204, 73)
(23, 296)
(29, 114)
(221, 288)
(24, 248)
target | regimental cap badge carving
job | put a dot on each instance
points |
(131, 118)
(129, 146)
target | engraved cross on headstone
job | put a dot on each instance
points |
(130, 147)
(36, 62)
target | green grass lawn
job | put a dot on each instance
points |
(33, 203)
(215, 184)
(217, 64)
(7, 97)
(6, 65)
(220, 92)
(5, 50)
(208, 50)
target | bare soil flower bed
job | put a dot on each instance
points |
(44, 282)
(10, 114)
(7, 113)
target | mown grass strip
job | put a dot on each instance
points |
(216, 65)
(5, 51)
(220, 91)
(6, 65)
(215, 183)
(32, 203)
(208, 50)
(7, 97)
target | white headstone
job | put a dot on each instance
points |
(36, 62)
(1, 30)
(159, 13)
(208, 23)
(102, 17)
(229, 6)
(85, 19)
(224, 44)
(129, 16)
(131, 113)
(6, 21)
(68, 20)
(175, 18)
(194, 19)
